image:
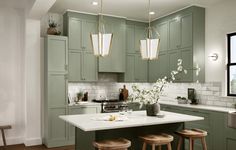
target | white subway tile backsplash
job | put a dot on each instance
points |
(207, 93)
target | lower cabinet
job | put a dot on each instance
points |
(74, 110)
(220, 136)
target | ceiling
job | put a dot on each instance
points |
(131, 9)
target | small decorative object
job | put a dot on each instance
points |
(85, 98)
(79, 97)
(150, 97)
(52, 29)
(182, 100)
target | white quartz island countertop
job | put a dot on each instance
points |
(94, 122)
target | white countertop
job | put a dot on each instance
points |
(85, 104)
(199, 106)
(90, 122)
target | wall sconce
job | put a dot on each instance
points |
(213, 57)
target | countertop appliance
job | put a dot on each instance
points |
(112, 105)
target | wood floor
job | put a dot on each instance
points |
(40, 147)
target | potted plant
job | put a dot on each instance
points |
(150, 97)
(52, 27)
(79, 97)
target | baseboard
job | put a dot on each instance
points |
(33, 141)
(13, 141)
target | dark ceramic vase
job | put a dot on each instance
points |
(153, 109)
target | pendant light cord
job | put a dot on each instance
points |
(149, 19)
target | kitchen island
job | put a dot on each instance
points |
(95, 127)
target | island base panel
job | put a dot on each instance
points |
(84, 139)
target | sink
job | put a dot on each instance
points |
(232, 119)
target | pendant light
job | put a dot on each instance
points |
(101, 41)
(149, 46)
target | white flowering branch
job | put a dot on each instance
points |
(151, 96)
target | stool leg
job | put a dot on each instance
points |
(204, 143)
(3, 138)
(144, 146)
(190, 144)
(180, 143)
(169, 146)
(153, 146)
(159, 147)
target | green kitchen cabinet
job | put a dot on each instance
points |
(78, 27)
(135, 31)
(75, 110)
(55, 91)
(140, 34)
(136, 69)
(219, 137)
(163, 30)
(141, 69)
(175, 33)
(82, 66)
(115, 61)
(57, 54)
(186, 30)
(158, 68)
(182, 35)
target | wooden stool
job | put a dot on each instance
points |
(115, 144)
(2, 128)
(192, 135)
(153, 140)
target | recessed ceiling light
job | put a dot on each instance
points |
(94, 3)
(151, 12)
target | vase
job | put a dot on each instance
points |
(153, 109)
(52, 31)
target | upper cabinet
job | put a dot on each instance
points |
(182, 35)
(115, 61)
(57, 53)
(78, 27)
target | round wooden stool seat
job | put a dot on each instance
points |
(114, 144)
(154, 140)
(192, 135)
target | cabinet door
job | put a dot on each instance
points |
(141, 69)
(162, 29)
(175, 31)
(89, 27)
(89, 68)
(75, 34)
(75, 66)
(57, 89)
(158, 68)
(173, 60)
(130, 38)
(186, 31)
(57, 127)
(130, 70)
(139, 35)
(57, 53)
(187, 57)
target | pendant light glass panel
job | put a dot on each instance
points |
(149, 48)
(101, 43)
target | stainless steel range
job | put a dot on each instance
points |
(112, 105)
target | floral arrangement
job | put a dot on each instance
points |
(151, 96)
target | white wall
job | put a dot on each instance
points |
(220, 20)
(32, 83)
(12, 104)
